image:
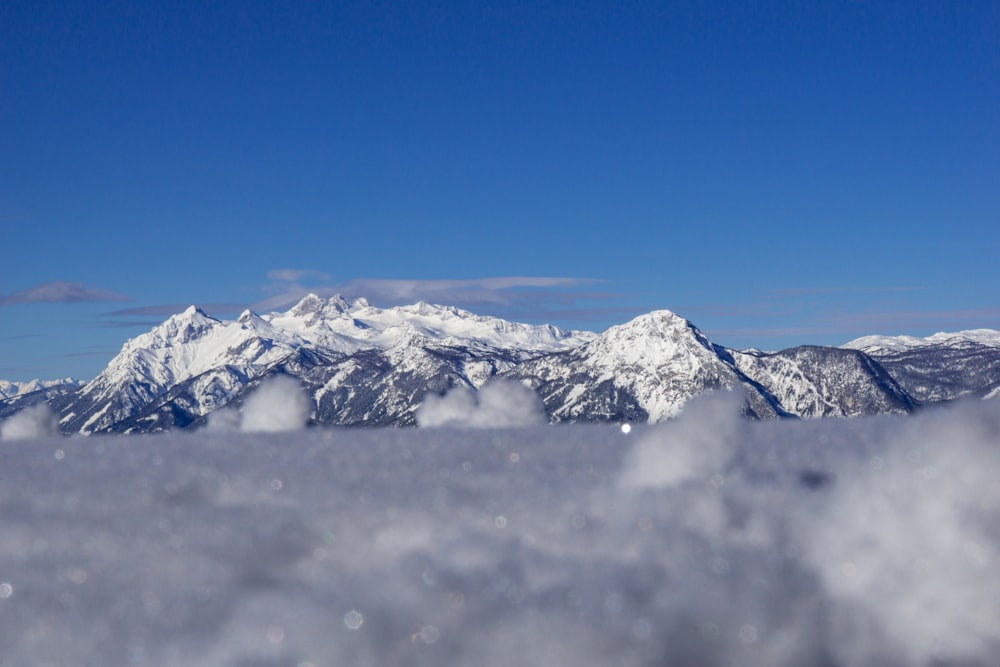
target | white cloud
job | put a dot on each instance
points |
(60, 292)
(278, 404)
(223, 420)
(500, 290)
(695, 446)
(297, 275)
(35, 421)
(498, 404)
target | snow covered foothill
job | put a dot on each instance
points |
(884, 345)
(10, 389)
(832, 542)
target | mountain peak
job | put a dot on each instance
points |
(656, 324)
(315, 305)
(664, 318)
(192, 323)
(192, 316)
(250, 318)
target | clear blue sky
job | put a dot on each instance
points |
(779, 173)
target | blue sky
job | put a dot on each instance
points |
(778, 173)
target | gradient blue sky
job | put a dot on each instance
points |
(779, 173)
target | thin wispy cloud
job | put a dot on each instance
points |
(792, 302)
(902, 321)
(30, 336)
(130, 324)
(847, 325)
(833, 315)
(298, 275)
(168, 309)
(61, 292)
(811, 291)
(498, 291)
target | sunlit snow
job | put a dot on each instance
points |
(706, 540)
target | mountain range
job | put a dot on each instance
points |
(364, 365)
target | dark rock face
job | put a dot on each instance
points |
(812, 381)
(945, 372)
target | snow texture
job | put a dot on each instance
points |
(498, 404)
(278, 404)
(10, 389)
(883, 345)
(35, 421)
(706, 540)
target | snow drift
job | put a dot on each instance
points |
(707, 540)
(499, 404)
(278, 404)
(35, 421)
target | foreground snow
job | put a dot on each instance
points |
(703, 541)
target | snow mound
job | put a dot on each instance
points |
(279, 404)
(31, 422)
(869, 541)
(498, 404)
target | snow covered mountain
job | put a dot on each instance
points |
(344, 326)
(643, 370)
(360, 364)
(885, 345)
(224, 355)
(650, 367)
(10, 389)
(15, 396)
(941, 367)
(812, 381)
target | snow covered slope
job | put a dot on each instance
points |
(650, 367)
(10, 389)
(16, 396)
(351, 326)
(812, 381)
(884, 345)
(186, 346)
(646, 369)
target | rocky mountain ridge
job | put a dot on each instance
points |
(363, 365)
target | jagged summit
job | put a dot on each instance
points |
(185, 326)
(314, 305)
(646, 369)
(651, 339)
(352, 326)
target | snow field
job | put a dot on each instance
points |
(707, 540)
